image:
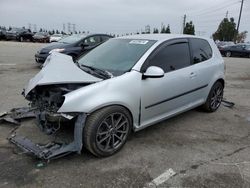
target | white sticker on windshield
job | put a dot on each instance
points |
(138, 42)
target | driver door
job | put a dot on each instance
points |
(163, 97)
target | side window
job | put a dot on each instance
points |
(201, 50)
(172, 57)
(105, 38)
(92, 41)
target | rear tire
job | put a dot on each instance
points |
(214, 98)
(228, 54)
(106, 130)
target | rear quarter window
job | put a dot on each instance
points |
(201, 50)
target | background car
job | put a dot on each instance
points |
(41, 37)
(240, 50)
(2, 34)
(55, 37)
(19, 34)
(73, 45)
(222, 44)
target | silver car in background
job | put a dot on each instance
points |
(125, 84)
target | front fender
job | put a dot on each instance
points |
(123, 90)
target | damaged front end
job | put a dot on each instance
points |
(45, 101)
(46, 93)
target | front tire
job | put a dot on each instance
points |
(107, 130)
(214, 98)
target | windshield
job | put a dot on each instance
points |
(247, 47)
(72, 39)
(116, 55)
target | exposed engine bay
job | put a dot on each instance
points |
(47, 100)
(50, 98)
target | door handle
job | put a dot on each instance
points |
(192, 75)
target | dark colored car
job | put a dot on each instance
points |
(2, 34)
(222, 44)
(19, 34)
(241, 50)
(41, 37)
(74, 45)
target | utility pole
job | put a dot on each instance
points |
(238, 25)
(227, 14)
(184, 22)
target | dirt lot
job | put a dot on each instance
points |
(204, 150)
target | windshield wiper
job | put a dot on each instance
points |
(103, 73)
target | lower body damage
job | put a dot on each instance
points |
(52, 150)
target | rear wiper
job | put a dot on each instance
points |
(100, 72)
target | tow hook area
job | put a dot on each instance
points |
(52, 150)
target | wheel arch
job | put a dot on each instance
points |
(116, 104)
(222, 81)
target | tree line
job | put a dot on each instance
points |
(226, 31)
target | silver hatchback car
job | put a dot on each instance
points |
(125, 84)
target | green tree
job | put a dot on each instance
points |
(189, 28)
(226, 30)
(167, 30)
(163, 29)
(155, 30)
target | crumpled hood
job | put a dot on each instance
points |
(60, 69)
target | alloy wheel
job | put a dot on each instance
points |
(112, 132)
(216, 98)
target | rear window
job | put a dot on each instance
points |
(201, 50)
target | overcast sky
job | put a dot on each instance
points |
(122, 16)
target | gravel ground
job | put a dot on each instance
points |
(204, 150)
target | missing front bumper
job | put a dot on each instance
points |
(52, 150)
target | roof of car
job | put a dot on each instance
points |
(158, 37)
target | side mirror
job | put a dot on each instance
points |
(153, 72)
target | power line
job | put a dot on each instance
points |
(217, 9)
(210, 8)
